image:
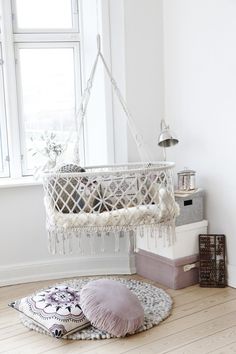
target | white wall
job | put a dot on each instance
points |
(200, 97)
(23, 235)
(137, 64)
(144, 71)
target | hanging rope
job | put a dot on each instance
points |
(80, 115)
(84, 104)
(107, 199)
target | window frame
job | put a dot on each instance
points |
(4, 172)
(10, 90)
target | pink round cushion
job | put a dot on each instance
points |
(110, 306)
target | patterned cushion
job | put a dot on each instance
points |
(73, 194)
(118, 193)
(65, 192)
(55, 309)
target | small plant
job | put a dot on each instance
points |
(49, 149)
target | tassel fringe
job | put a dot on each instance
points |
(65, 241)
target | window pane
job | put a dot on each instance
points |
(44, 14)
(47, 88)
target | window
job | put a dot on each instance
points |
(40, 83)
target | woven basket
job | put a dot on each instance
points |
(109, 198)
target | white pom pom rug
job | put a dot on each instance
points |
(156, 302)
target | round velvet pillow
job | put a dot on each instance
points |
(110, 306)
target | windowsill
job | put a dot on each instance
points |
(19, 182)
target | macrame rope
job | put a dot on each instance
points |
(80, 115)
(136, 136)
(144, 155)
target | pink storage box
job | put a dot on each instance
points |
(173, 273)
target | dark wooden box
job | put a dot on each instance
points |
(212, 272)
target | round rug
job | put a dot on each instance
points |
(156, 302)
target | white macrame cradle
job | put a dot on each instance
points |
(119, 200)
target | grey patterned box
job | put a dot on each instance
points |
(191, 208)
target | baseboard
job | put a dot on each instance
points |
(65, 268)
(231, 276)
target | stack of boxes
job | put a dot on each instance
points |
(175, 266)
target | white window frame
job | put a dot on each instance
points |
(10, 41)
(74, 28)
(92, 13)
(10, 89)
(77, 83)
(4, 171)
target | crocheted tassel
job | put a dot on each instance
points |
(103, 241)
(147, 237)
(130, 237)
(173, 233)
(60, 242)
(70, 244)
(117, 242)
(133, 236)
(156, 235)
(82, 237)
(78, 236)
(51, 242)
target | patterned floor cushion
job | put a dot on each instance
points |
(55, 309)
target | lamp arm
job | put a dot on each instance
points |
(164, 125)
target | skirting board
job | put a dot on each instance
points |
(65, 268)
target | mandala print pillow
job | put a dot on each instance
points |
(55, 309)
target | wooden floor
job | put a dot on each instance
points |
(202, 321)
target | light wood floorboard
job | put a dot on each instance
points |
(203, 321)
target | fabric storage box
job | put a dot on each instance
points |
(186, 241)
(174, 274)
(191, 207)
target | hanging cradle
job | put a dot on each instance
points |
(117, 199)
